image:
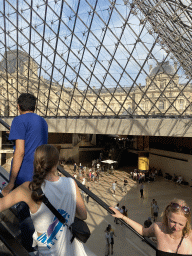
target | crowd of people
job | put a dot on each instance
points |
(89, 174)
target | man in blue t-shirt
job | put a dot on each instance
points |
(28, 131)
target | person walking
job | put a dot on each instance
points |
(117, 208)
(112, 234)
(98, 173)
(80, 173)
(75, 167)
(155, 211)
(173, 233)
(90, 170)
(152, 203)
(141, 190)
(108, 241)
(84, 181)
(123, 210)
(114, 187)
(87, 196)
(125, 183)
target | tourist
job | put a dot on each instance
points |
(174, 234)
(112, 234)
(75, 167)
(125, 183)
(108, 241)
(51, 236)
(114, 187)
(180, 179)
(155, 211)
(90, 174)
(141, 190)
(152, 203)
(147, 223)
(28, 131)
(87, 199)
(123, 210)
(117, 207)
(84, 181)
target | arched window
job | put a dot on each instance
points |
(181, 104)
(161, 104)
(142, 106)
(162, 84)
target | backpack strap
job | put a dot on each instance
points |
(51, 207)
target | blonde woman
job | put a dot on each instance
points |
(173, 234)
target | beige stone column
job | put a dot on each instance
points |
(94, 141)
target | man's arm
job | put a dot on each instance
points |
(17, 161)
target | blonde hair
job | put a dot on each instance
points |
(168, 209)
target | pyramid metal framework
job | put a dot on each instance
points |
(83, 57)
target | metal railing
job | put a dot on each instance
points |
(11, 242)
(96, 199)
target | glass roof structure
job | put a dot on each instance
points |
(88, 58)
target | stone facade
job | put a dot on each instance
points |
(72, 102)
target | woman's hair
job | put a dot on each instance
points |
(46, 157)
(107, 229)
(168, 209)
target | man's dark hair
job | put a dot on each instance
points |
(27, 102)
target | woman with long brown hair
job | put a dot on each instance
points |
(173, 234)
(51, 237)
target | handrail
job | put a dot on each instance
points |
(96, 198)
(11, 242)
(105, 206)
(5, 124)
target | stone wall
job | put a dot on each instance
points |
(171, 163)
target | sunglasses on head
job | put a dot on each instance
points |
(185, 209)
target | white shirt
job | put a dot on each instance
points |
(155, 208)
(108, 237)
(83, 182)
(114, 186)
(55, 238)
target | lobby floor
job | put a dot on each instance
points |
(126, 242)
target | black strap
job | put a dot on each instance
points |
(51, 207)
(179, 244)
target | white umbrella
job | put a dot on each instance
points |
(109, 161)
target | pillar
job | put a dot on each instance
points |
(75, 139)
(94, 141)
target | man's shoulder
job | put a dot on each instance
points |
(33, 118)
